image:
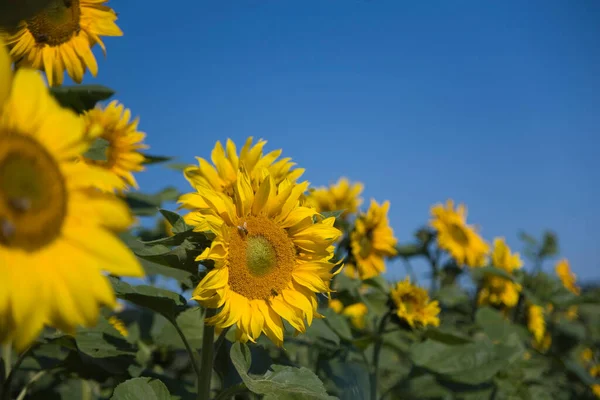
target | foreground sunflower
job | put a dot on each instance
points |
(271, 257)
(497, 290)
(567, 277)
(124, 142)
(371, 240)
(455, 236)
(412, 304)
(61, 37)
(56, 234)
(341, 196)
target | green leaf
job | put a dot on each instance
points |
(97, 151)
(103, 341)
(14, 11)
(191, 323)
(409, 250)
(141, 389)
(573, 329)
(319, 330)
(448, 336)
(162, 301)
(378, 282)
(280, 382)
(185, 278)
(452, 296)
(493, 323)
(335, 214)
(338, 324)
(176, 221)
(81, 98)
(149, 204)
(150, 159)
(489, 270)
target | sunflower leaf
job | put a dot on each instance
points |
(81, 98)
(175, 220)
(141, 389)
(152, 159)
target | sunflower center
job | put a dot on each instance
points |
(366, 244)
(458, 234)
(57, 23)
(33, 198)
(261, 258)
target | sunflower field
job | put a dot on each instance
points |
(256, 284)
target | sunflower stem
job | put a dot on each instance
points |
(6, 357)
(376, 352)
(192, 354)
(206, 362)
(231, 391)
(7, 384)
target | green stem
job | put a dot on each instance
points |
(206, 362)
(219, 342)
(6, 357)
(33, 379)
(409, 270)
(192, 354)
(232, 391)
(7, 384)
(376, 352)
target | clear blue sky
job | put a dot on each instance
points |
(495, 104)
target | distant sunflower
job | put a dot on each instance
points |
(412, 304)
(61, 37)
(341, 196)
(596, 390)
(536, 323)
(270, 255)
(497, 290)
(336, 305)
(119, 325)
(56, 234)
(567, 277)
(355, 312)
(371, 240)
(124, 142)
(455, 236)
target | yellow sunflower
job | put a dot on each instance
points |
(61, 37)
(455, 236)
(587, 355)
(227, 164)
(5, 73)
(356, 312)
(497, 290)
(124, 143)
(412, 304)
(119, 325)
(567, 277)
(341, 196)
(336, 305)
(271, 257)
(536, 322)
(596, 390)
(56, 233)
(371, 240)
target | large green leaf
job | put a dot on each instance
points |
(191, 323)
(81, 98)
(493, 323)
(280, 382)
(149, 204)
(141, 389)
(103, 341)
(320, 331)
(338, 324)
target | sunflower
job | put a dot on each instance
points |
(5, 73)
(355, 312)
(371, 240)
(56, 233)
(271, 256)
(536, 322)
(587, 355)
(61, 37)
(119, 325)
(596, 390)
(567, 277)
(455, 236)
(495, 289)
(123, 143)
(341, 196)
(336, 305)
(412, 304)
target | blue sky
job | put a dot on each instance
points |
(494, 104)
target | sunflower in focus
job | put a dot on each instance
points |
(223, 174)
(123, 146)
(57, 235)
(271, 257)
(356, 312)
(412, 304)
(371, 240)
(495, 289)
(455, 236)
(61, 37)
(567, 277)
(341, 196)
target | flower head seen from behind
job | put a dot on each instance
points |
(123, 143)
(412, 304)
(57, 234)
(371, 240)
(456, 237)
(567, 277)
(271, 257)
(497, 290)
(341, 196)
(61, 36)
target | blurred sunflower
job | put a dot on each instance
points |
(270, 255)
(567, 277)
(455, 236)
(371, 240)
(596, 390)
(119, 325)
(227, 165)
(587, 355)
(336, 305)
(5, 73)
(56, 234)
(341, 196)
(61, 37)
(497, 290)
(123, 146)
(355, 312)
(412, 304)
(536, 323)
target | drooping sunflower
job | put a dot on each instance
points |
(567, 277)
(61, 37)
(412, 304)
(371, 240)
(56, 233)
(495, 289)
(340, 196)
(455, 236)
(124, 143)
(271, 257)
